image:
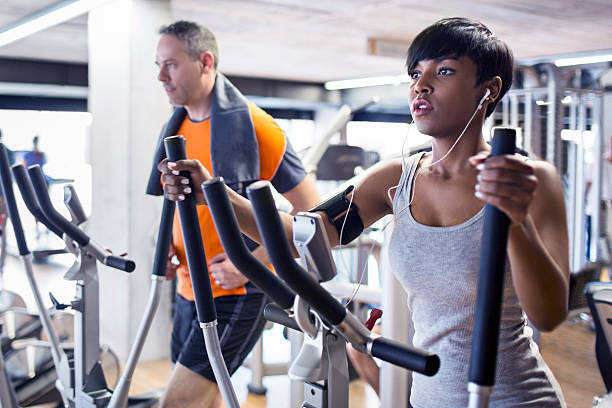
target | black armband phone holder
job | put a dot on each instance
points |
(336, 211)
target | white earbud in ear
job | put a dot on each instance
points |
(484, 98)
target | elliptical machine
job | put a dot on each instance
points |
(81, 378)
(8, 298)
(314, 311)
(341, 324)
(25, 389)
(323, 318)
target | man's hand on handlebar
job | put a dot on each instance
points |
(177, 187)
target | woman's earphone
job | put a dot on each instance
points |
(484, 98)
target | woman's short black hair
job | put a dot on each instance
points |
(456, 37)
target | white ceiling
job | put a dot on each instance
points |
(327, 39)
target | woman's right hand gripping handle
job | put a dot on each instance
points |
(177, 186)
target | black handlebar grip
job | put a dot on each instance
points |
(71, 199)
(11, 205)
(227, 227)
(491, 277)
(40, 189)
(27, 193)
(192, 237)
(122, 264)
(279, 252)
(276, 314)
(164, 237)
(404, 356)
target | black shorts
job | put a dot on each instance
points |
(240, 323)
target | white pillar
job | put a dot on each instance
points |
(395, 382)
(606, 82)
(128, 107)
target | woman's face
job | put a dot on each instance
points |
(443, 95)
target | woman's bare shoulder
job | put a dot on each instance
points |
(375, 185)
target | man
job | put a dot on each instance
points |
(36, 156)
(234, 139)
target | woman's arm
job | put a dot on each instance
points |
(370, 195)
(175, 189)
(530, 193)
(539, 253)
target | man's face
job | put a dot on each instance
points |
(178, 72)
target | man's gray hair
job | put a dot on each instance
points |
(196, 38)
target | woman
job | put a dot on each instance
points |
(459, 71)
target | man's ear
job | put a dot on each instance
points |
(208, 62)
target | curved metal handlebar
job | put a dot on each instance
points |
(9, 197)
(491, 278)
(405, 356)
(71, 199)
(120, 263)
(227, 226)
(192, 237)
(164, 237)
(279, 251)
(42, 194)
(276, 314)
(40, 189)
(27, 193)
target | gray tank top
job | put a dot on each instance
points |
(438, 267)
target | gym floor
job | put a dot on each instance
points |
(568, 351)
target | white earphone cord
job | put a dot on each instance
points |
(362, 274)
(485, 97)
(413, 186)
